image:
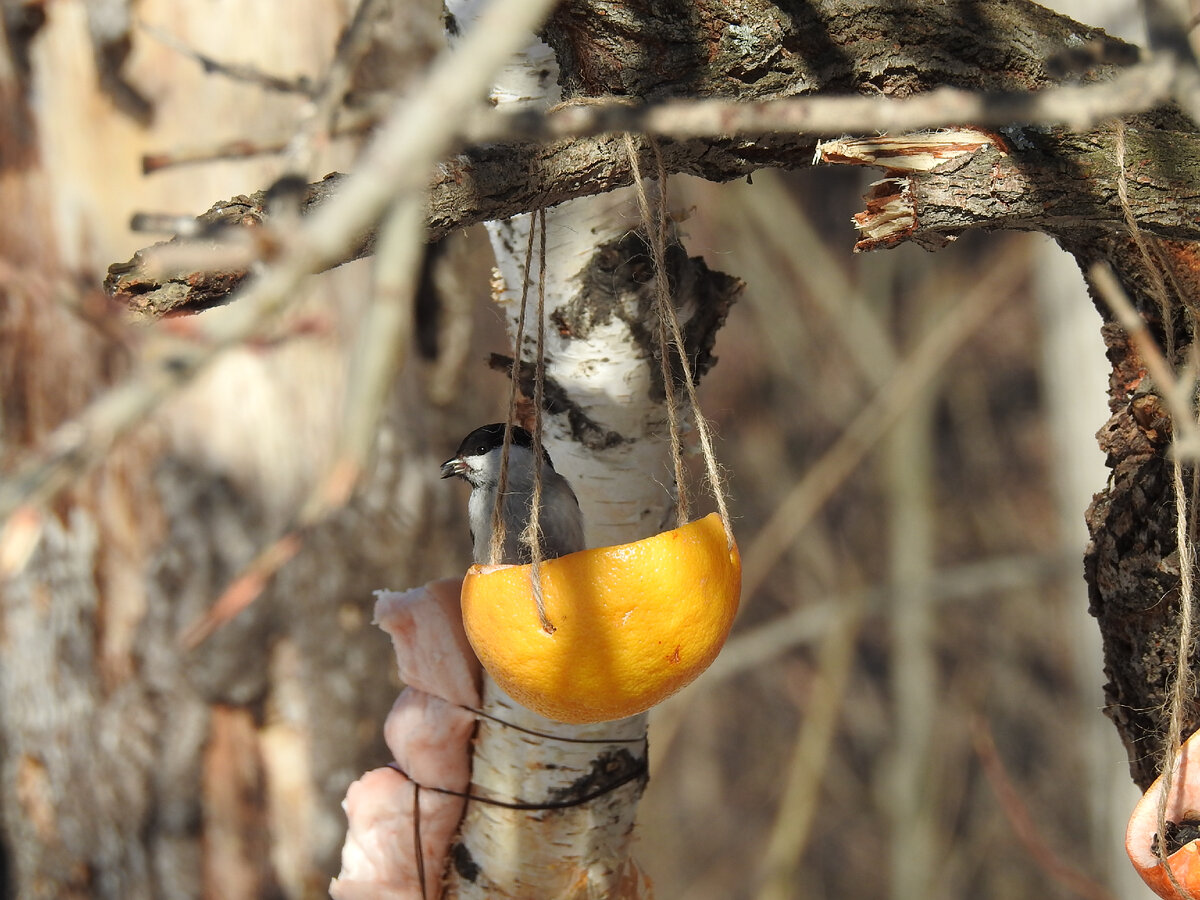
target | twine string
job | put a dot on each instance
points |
(656, 240)
(546, 735)
(1183, 676)
(531, 536)
(637, 770)
(533, 529)
(656, 224)
(496, 545)
(1183, 680)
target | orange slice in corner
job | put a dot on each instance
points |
(1182, 814)
(632, 623)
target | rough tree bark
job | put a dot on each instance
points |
(1132, 564)
(128, 766)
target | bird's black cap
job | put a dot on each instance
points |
(489, 437)
(484, 439)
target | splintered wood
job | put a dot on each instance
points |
(891, 204)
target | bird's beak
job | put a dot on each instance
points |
(452, 467)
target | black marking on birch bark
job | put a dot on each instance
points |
(619, 281)
(608, 770)
(464, 863)
(558, 402)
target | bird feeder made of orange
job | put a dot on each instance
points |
(1182, 812)
(632, 624)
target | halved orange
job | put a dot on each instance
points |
(1183, 806)
(632, 623)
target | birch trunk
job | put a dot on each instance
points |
(605, 427)
(605, 377)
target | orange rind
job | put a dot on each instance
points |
(1183, 806)
(632, 624)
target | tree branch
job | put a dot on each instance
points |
(1055, 181)
(896, 56)
(1058, 182)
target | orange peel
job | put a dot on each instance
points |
(1183, 806)
(633, 623)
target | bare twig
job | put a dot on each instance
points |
(384, 333)
(352, 124)
(382, 337)
(810, 757)
(1167, 29)
(823, 478)
(750, 648)
(489, 182)
(753, 648)
(1023, 824)
(1135, 89)
(165, 223)
(244, 589)
(780, 225)
(247, 74)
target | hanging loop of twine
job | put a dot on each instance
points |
(531, 536)
(496, 545)
(670, 335)
(533, 529)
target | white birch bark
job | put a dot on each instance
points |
(619, 474)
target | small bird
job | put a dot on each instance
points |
(478, 463)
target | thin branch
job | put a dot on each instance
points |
(234, 71)
(809, 762)
(752, 647)
(352, 124)
(1135, 89)
(317, 124)
(1023, 824)
(714, 139)
(1167, 31)
(383, 336)
(823, 478)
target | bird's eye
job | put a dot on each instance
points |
(480, 450)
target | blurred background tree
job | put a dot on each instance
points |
(920, 645)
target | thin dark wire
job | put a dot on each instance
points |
(636, 772)
(417, 836)
(547, 735)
